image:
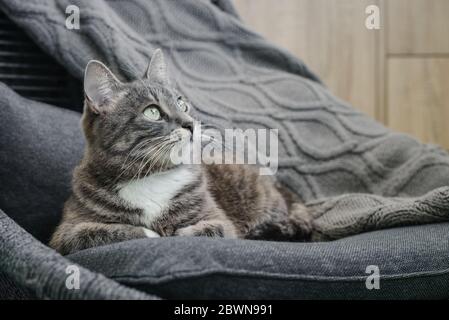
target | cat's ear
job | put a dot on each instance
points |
(157, 69)
(100, 86)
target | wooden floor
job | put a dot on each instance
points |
(398, 74)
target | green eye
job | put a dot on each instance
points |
(182, 105)
(152, 113)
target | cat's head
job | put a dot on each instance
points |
(132, 127)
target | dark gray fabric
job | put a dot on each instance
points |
(39, 147)
(40, 272)
(413, 263)
(235, 78)
(11, 290)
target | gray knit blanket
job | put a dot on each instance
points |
(355, 174)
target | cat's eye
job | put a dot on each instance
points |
(182, 105)
(152, 112)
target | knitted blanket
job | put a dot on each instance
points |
(353, 172)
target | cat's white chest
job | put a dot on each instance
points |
(154, 193)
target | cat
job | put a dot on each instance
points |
(126, 187)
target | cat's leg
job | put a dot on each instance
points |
(70, 238)
(209, 228)
(301, 221)
(150, 233)
(278, 224)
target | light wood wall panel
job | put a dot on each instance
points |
(418, 98)
(418, 26)
(330, 36)
(399, 74)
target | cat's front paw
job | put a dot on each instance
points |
(201, 229)
(150, 233)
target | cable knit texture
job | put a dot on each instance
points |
(235, 78)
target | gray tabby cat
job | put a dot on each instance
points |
(126, 188)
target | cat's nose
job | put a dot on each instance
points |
(188, 126)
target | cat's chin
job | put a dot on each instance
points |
(170, 166)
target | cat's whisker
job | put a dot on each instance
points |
(150, 157)
(167, 157)
(211, 126)
(139, 156)
(138, 149)
(166, 148)
(158, 157)
(143, 151)
(153, 163)
(143, 155)
(217, 142)
(153, 158)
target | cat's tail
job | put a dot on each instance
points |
(301, 221)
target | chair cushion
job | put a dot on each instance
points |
(39, 147)
(413, 262)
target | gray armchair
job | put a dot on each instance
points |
(366, 184)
